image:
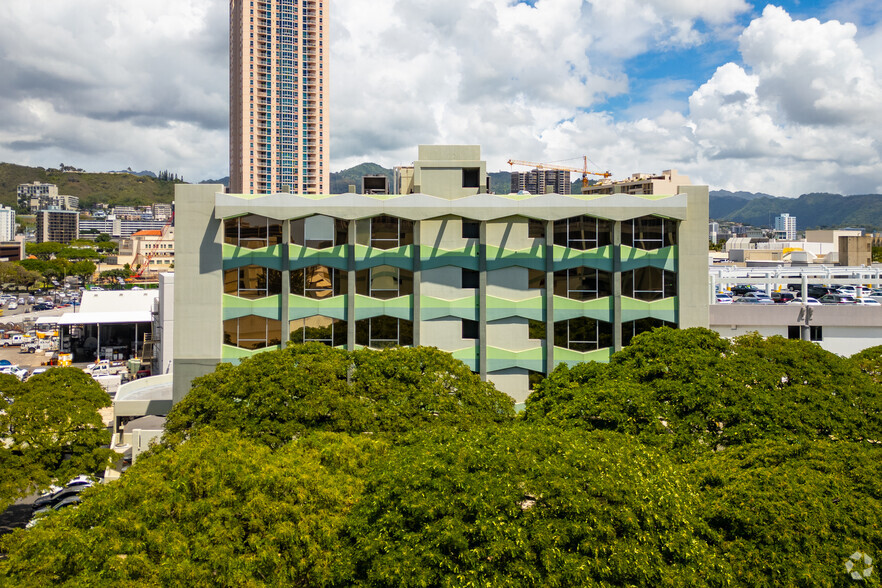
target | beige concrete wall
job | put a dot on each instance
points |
(511, 284)
(445, 283)
(514, 381)
(445, 334)
(692, 270)
(511, 334)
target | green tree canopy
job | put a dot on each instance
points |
(84, 269)
(54, 429)
(77, 253)
(219, 510)
(530, 506)
(869, 361)
(43, 250)
(277, 395)
(692, 390)
(791, 515)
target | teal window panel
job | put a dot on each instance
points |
(571, 358)
(431, 257)
(468, 356)
(531, 308)
(236, 257)
(335, 257)
(600, 309)
(666, 309)
(435, 308)
(533, 258)
(600, 258)
(401, 307)
(368, 257)
(664, 258)
(235, 307)
(503, 359)
(301, 307)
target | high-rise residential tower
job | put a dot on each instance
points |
(279, 96)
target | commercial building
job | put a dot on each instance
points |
(646, 184)
(512, 285)
(7, 224)
(785, 227)
(541, 181)
(39, 196)
(279, 86)
(153, 250)
(60, 226)
(117, 227)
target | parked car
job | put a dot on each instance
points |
(809, 301)
(56, 497)
(837, 299)
(755, 298)
(722, 298)
(742, 289)
(12, 306)
(854, 291)
(783, 297)
(867, 301)
(819, 291)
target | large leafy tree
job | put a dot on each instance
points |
(53, 430)
(219, 510)
(278, 395)
(693, 391)
(792, 515)
(530, 506)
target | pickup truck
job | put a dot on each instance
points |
(46, 344)
(16, 339)
(106, 368)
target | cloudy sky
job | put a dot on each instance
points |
(781, 98)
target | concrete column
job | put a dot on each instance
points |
(482, 302)
(549, 297)
(617, 285)
(350, 288)
(286, 280)
(417, 282)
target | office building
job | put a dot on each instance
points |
(59, 226)
(279, 86)
(785, 227)
(7, 224)
(117, 227)
(637, 184)
(511, 285)
(541, 181)
(38, 196)
(150, 250)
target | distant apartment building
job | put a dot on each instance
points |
(60, 226)
(7, 224)
(279, 85)
(541, 181)
(640, 184)
(153, 250)
(785, 227)
(161, 211)
(117, 227)
(38, 196)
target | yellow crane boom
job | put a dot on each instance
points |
(584, 170)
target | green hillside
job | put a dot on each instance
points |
(811, 210)
(113, 189)
(341, 180)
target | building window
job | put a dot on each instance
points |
(470, 329)
(535, 279)
(582, 232)
(536, 229)
(252, 232)
(471, 229)
(389, 232)
(383, 331)
(582, 283)
(318, 328)
(384, 282)
(649, 232)
(252, 282)
(582, 334)
(815, 333)
(470, 278)
(319, 232)
(471, 177)
(252, 332)
(631, 329)
(536, 329)
(318, 282)
(649, 284)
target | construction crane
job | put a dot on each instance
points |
(584, 171)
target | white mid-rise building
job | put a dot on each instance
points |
(785, 227)
(7, 224)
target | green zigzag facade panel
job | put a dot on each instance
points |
(600, 309)
(236, 257)
(368, 257)
(571, 358)
(499, 258)
(665, 309)
(435, 308)
(530, 308)
(300, 307)
(235, 354)
(503, 359)
(401, 307)
(664, 258)
(468, 356)
(600, 258)
(300, 257)
(432, 257)
(235, 307)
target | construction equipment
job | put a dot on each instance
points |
(584, 171)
